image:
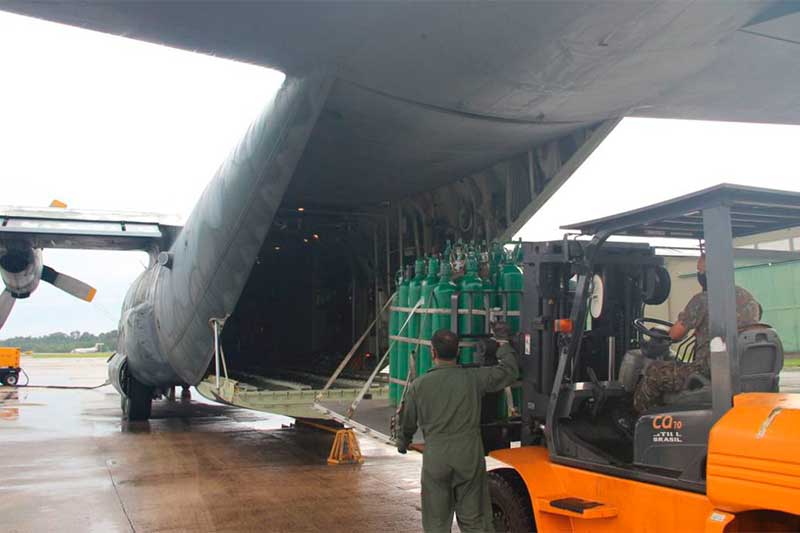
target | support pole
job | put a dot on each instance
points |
(216, 352)
(388, 258)
(415, 226)
(377, 284)
(509, 195)
(612, 358)
(722, 324)
(353, 304)
(400, 235)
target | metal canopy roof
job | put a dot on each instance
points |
(753, 211)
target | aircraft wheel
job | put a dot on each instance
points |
(511, 505)
(139, 402)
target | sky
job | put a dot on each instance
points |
(103, 122)
(645, 161)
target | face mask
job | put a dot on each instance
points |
(701, 279)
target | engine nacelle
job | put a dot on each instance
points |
(21, 270)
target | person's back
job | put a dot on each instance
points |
(446, 403)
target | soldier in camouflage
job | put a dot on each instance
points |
(671, 376)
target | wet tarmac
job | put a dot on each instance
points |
(68, 463)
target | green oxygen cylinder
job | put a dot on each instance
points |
(512, 280)
(426, 320)
(442, 293)
(471, 297)
(393, 346)
(401, 346)
(412, 330)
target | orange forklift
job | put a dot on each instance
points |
(720, 456)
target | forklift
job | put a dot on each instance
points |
(720, 455)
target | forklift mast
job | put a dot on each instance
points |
(628, 273)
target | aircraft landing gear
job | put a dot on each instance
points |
(186, 393)
(138, 403)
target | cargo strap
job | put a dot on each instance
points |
(437, 311)
(353, 406)
(423, 342)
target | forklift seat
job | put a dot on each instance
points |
(760, 353)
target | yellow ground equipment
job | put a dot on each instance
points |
(717, 455)
(345, 449)
(9, 365)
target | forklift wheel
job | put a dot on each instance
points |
(511, 505)
(10, 380)
(139, 402)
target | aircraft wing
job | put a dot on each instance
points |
(428, 92)
(87, 230)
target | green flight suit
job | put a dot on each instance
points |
(446, 403)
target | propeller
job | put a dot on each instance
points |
(21, 269)
(68, 284)
(6, 305)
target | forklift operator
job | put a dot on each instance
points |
(672, 376)
(446, 403)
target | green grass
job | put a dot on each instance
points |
(791, 362)
(104, 355)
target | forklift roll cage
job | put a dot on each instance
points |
(717, 215)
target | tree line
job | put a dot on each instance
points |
(61, 342)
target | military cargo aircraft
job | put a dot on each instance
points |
(400, 125)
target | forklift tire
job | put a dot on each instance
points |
(10, 380)
(511, 504)
(138, 404)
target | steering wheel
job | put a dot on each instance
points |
(655, 333)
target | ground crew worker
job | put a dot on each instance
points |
(446, 403)
(672, 376)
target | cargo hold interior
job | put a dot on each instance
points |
(330, 261)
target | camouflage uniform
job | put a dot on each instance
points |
(671, 376)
